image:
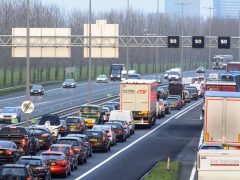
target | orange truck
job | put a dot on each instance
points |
(140, 97)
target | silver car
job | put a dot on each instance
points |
(8, 114)
(102, 79)
(109, 130)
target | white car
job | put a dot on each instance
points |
(166, 75)
(121, 115)
(52, 122)
(102, 79)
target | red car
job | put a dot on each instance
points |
(58, 163)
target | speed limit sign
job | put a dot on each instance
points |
(224, 42)
(198, 42)
(173, 41)
(27, 107)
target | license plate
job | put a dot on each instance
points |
(7, 118)
(93, 139)
(172, 105)
(53, 163)
(72, 126)
(88, 120)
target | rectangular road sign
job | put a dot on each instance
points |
(48, 38)
(198, 42)
(224, 42)
(173, 41)
(102, 29)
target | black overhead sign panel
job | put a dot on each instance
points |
(173, 41)
(224, 43)
(198, 42)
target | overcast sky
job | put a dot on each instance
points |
(102, 5)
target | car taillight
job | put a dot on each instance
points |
(77, 150)
(44, 135)
(107, 113)
(28, 178)
(120, 131)
(62, 129)
(8, 152)
(63, 163)
(104, 139)
(24, 142)
(71, 152)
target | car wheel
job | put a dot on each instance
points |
(85, 160)
(109, 148)
(106, 148)
(65, 175)
(72, 167)
(90, 153)
(69, 172)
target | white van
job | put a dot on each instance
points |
(124, 116)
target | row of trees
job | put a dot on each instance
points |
(12, 14)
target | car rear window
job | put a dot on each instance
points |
(9, 110)
(69, 141)
(52, 156)
(16, 171)
(100, 128)
(89, 109)
(91, 134)
(73, 120)
(171, 99)
(6, 145)
(31, 162)
(115, 125)
(61, 149)
(13, 131)
(211, 147)
(54, 120)
(38, 131)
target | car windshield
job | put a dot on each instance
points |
(173, 73)
(69, 141)
(102, 76)
(133, 76)
(31, 162)
(89, 109)
(54, 120)
(17, 171)
(9, 110)
(73, 120)
(52, 156)
(36, 87)
(13, 131)
(69, 80)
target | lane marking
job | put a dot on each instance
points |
(195, 163)
(133, 143)
(200, 102)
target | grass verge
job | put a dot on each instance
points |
(161, 173)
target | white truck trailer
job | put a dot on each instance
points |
(221, 118)
(175, 74)
(218, 164)
(140, 97)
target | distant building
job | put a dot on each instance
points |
(192, 9)
(226, 8)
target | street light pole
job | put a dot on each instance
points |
(182, 4)
(209, 34)
(127, 53)
(157, 33)
(90, 52)
(27, 59)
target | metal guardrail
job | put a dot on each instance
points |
(73, 110)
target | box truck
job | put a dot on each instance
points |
(218, 164)
(221, 118)
(140, 97)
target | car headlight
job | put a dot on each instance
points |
(39, 90)
(31, 90)
(111, 75)
(1, 116)
(118, 76)
(64, 84)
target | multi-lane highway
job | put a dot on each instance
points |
(175, 136)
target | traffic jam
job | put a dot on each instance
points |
(58, 146)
